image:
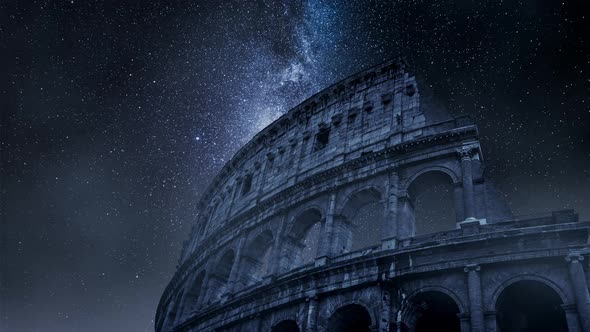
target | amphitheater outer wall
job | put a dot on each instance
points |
(248, 265)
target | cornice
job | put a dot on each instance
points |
(371, 261)
(310, 105)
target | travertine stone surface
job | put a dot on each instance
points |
(276, 243)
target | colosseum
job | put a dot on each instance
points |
(362, 209)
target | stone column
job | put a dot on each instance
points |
(173, 314)
(276, 247)
(389, 228)
(490, 321)
(341, 235)
(406, 219)
(386, 310)
(571, 317)
(464, 322)
(312, 314)
(328, 233)
(182, 308)
(475, 304)
(578, 279)
(458, 200)
(467, 179)
(233, 274)
(204, 291)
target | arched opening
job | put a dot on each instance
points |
(350, 318)
(191, 298)
(286, 326)
(301, 245)
(311, 243)
(432, 311)
(173, 311)
(362, 221)
(530, 305)
(219, 278)
(256, 259)
(432, 203)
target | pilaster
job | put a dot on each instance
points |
(467, 181)
(327, 235)
(389, 227)
(312, 314)
(571, 317)
(490, 321)
(580, 287)
(475, 302)
(233, 275)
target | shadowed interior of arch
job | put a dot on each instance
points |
(350, 318)
(192, 296)
(173, 311)
(302, 242)
(255, 260)
(363, 215)
(286, 326)
(220, 276)
(432, 203)
(431, 311)
(311, 243)
(530, 305)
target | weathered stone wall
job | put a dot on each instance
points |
(355, 116)
(274, 240)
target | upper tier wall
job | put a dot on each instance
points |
(338, 124)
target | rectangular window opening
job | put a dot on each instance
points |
(322, 139)
(247, 185)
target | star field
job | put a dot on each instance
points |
(117, 114)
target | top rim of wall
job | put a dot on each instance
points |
(233, 163)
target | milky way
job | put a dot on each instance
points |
(116, 115)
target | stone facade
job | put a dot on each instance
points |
(283, 241)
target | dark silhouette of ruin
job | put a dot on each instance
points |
(363, 210)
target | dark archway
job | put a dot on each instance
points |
(432, 201)
(191, 298)
(434, 311)
(363, 216)
(309, 244)
(301, 245)
(530, 305)
(350, 318)
(286, 326)
(174, 308)
(220, 276)
(364, 213)
(255, 260)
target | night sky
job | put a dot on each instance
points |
(117, 114)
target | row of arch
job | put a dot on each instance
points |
(428, 205)
(210, 287)
(358, 225)
(524, 305)
(286, 149)
(431, 197)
